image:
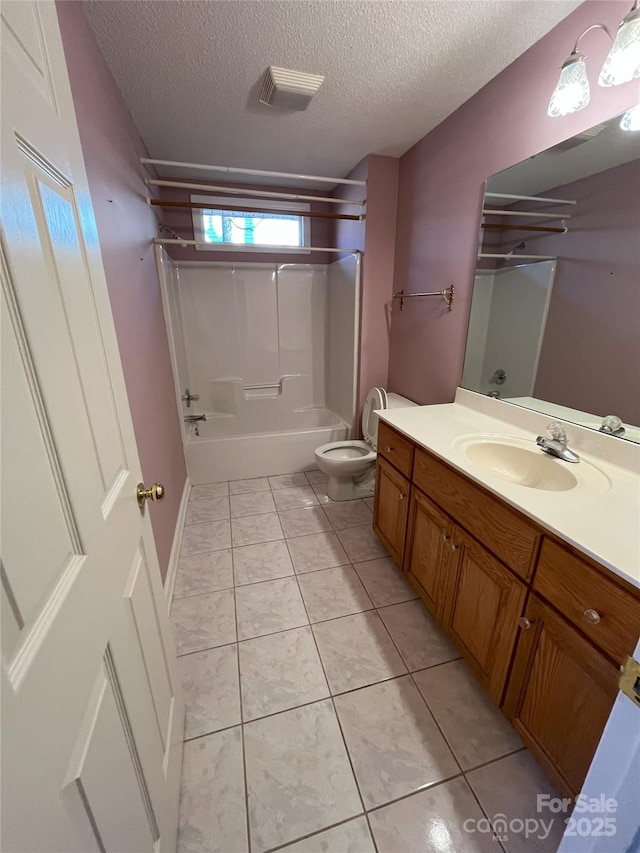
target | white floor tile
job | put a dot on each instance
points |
(251, 503)
(203, 573)
(333, 592)
(394, 743)
(212, 797)
(211, 690)
(261, 562)
(264, 608)
(251, 529)
(279, 672)
(299, 779)
(204, 621)
(356, 651)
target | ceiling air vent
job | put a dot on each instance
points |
(289, 90)
(578, 139)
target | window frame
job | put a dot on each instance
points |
(225, 203)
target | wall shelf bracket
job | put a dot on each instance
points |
(448, 295)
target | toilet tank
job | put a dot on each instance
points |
(394, 401)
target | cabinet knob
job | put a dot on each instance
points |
(592, 616)
(444, 537)
(524, 623)
(454, 547)
(388, 449)
(401, 497)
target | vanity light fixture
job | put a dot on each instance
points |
(623, 60)
(621, 65)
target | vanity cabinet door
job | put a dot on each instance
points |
(391, 508)
(426, 558)
(560, 694)
(482, 616)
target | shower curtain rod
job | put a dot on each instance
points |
(243, 247)
(243, 191)
(546, 229)
(531, 198)
(196, 205)
(258, 172)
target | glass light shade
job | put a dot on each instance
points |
(572, 92)
(623, 60)
(631, 119)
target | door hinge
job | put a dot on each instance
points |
(629, 681)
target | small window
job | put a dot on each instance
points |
(222, 224)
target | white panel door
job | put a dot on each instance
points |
(92, 715)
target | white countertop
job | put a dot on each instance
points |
(606, 526)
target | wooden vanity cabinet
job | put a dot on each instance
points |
(560, 693)
(477, 563)
(391, 507)
(486, 600)
(428, 555)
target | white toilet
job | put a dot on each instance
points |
(351, 465)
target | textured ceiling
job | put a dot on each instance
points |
(190, 72)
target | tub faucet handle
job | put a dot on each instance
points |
(188, 397)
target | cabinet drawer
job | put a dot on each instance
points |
(511, 537)
(578, 591)
(395, 448)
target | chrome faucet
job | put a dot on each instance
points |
(193, 419)
(556, 444)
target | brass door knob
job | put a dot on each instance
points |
(154, 493)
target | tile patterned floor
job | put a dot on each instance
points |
(326, 711)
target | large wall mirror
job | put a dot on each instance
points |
(555, 315)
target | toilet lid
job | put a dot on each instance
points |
(376, 399)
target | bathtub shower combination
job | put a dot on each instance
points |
(271, 350)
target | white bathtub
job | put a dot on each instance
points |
(220, 453)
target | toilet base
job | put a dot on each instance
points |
(350, 489)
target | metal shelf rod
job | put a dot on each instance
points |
(526, 213)
(194, 205)
(228, 170)
(252, 247)
(531, 198)
(154, 182)
(515, 257)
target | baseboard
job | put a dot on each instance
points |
(170, 580)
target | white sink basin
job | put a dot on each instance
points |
(520, 461)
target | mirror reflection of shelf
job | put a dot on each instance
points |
(544, 216)
(590, 181)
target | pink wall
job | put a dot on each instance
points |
(441, 190)
(377, 238)
(595, 295)
(111, 147)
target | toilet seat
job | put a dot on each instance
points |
(345, 450)
(376, 399)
